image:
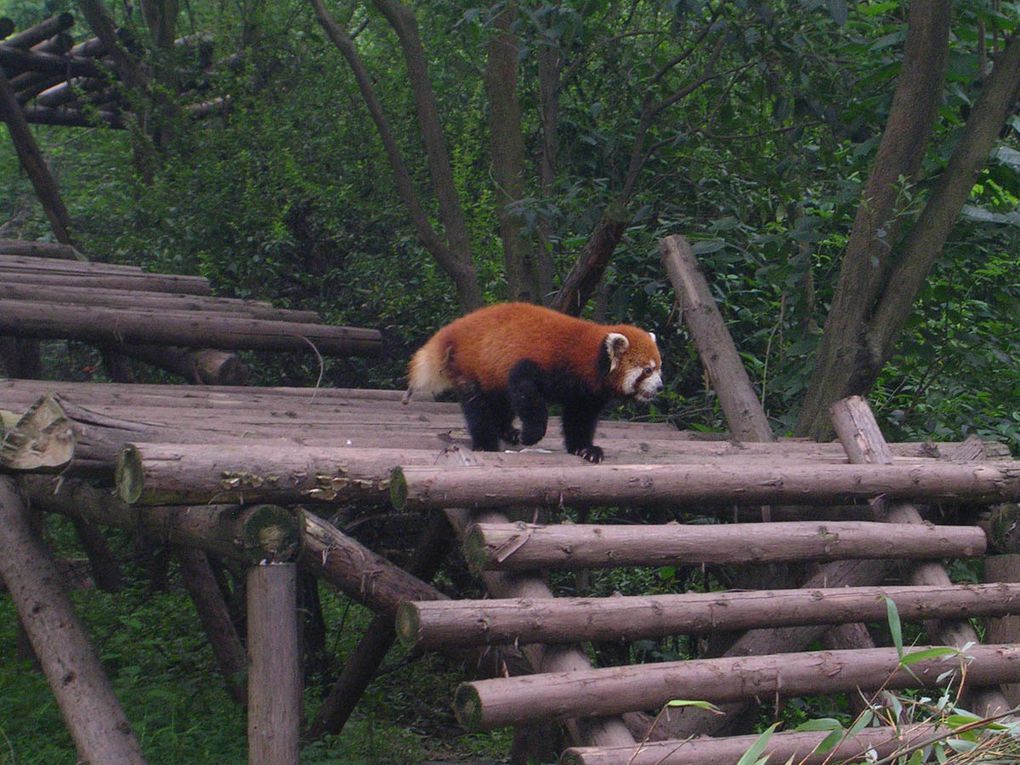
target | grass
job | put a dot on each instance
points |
(163, 672)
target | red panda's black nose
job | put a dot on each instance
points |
(659, 387)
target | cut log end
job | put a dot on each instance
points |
(467, 706)
(128, 475)
(271, 533)
(398, 489)
(408, 624)
(40, 440)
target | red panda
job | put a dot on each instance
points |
(512, 358)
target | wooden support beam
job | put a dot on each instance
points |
(860, 435)
(1004, 629)
(433, 624)
(16, 60)
(421, 488)
(798, 748)
(94, 718)
(32, 161)
(274, 666)
(44, 30)
(144, 282)
(525, 546)
(718, 354)
(33, 249)
(115, 327)
(487, 704)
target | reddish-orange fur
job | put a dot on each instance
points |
(482, 347)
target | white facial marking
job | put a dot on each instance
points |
(650, 386)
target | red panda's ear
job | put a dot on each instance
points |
(616, 345)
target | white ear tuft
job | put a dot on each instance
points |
(616, 345)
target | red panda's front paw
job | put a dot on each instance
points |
(590, 453)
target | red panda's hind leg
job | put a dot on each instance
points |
(488, 418)
(528, 401)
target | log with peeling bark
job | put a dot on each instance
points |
(792, 747)
(525, 546)
(643, 485)
(567, 620)
(489, 704)
(94, 718)
(116, 327)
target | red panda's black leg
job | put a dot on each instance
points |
(579, 420)
(485, 417)
(528, 402)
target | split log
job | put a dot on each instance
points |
(42, 31)
(525, 546)
(630, 618)
(144, 282)
(797, 748)
(274, 667)
(486, 704)
(650, 485)
(115, 327)
(33, 249)
(199, 581)
(715, 347)
(95, 720)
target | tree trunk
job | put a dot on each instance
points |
(489, 704)
(873, 237)
(587, 271)
(94, 719)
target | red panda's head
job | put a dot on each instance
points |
(631, 362)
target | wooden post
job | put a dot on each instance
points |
(33, 162)
(718, 354)
(1004, 629)
(274, 667)
(91, 712)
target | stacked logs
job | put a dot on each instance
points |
(51, 292)
(59, 82)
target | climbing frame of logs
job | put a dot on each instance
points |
(249, 476)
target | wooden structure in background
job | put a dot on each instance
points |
(188, 463)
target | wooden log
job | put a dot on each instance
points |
(145, 282)
(274, 666)
(1004, 629)
(64, 117)
(95, 720)
(204, 366)
(361, 666)
(199, 581)
(860, 435)
(16, 60)
(42, 31)
(792, 747)
(153, 301)
(154, 474)
(570, 620)
(486, 704)
(32, 161)
(525, 546)
(33, 249)
(106, 571)
(121, 327)
(715, 347)
(419, 488)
